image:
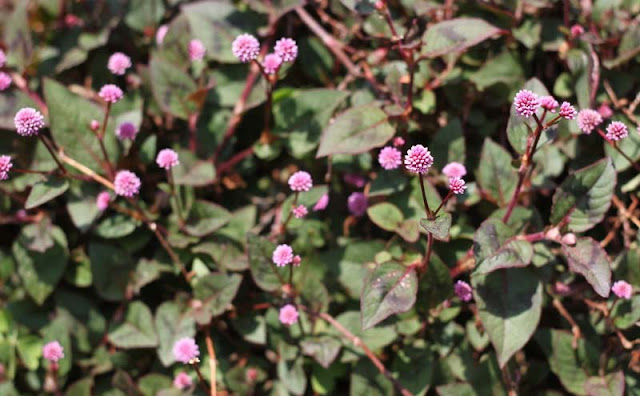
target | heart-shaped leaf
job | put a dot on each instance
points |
(438, 227)
(456, 35)
(137, 330)
(591, 261)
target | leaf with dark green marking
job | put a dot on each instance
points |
(590, 260)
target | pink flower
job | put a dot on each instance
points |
(605, 111)
(567, 111)
(245, 47)
(110, 93)
(457, 185)
(167, 159)
(622, 289)
(252, 374)
(102, 201)
(296, 261)
(288, 315)
(53, 351)
(526, 103)
(186, 350)
(118, 63)
(357, 204)
(28, 121)
(282, 255)
(182, 380)
(287, 49)
(127, 184)
(5, 166)
(355, 179)
(160, 33)
(463, 290)
(300, 181)
(454, 169)
(300, 211)
(5, 81)
(196, 50)
(549, 103)
(126, 130)
(617, 131)
(576, 31)
(418, 159)
(322, 203)
(94, 125)
(390, 158)
(271, 63)
(398, 141)
(561, 288)
(3, 58)
(588, 120)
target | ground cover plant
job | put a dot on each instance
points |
(323, 197)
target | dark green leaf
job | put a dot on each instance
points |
(496, 176)
(137, 330)
(216, 291)
(439, 226)
(557, 345)
(264, 272)
(456, 35)
(324, 349)
(171, 88)
(608, 385)
(206, 217)
(386, 216)
(513, 254)
(591, 261)
(172, 324)
(44, 192)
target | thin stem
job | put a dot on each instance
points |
(212, 362)
(203, 382)
(444, 201)
(52, 152)
(101, 139)
(75, 164)
(427, 256)
(424, 198)
(283, 227)
(575, 329)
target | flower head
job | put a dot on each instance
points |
(300, 211)
(102, 201)
(355, 179)
(549, 103)
(390, 158)
(526, 103)
(5, 166)
(576, 31)
(322, 203)
(196, 50)
(457, 185)
(167, 159)
(357, 204)
(288, 315)
(282, 255)
(287, 49)
(5, 81)
(110, 93)
(126, 130)
(418, 159)
(160, 33)
(617, 131)
(454, 169)
(463, 290)
(53, 351)
(185, 350)
(182, 380)
(126, 183)
(622, 289)
(567, 111)
(300, 181)
(245, 47)
(271, 63)
(398, 141)
(605, 111)
(296, 261)
(118, 63)
(28, 121)
(94, 125)
(588, 120)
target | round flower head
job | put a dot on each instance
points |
(5, 81)
(127, 184)
(5, 166)
(245, 47)
(457, 185)
(322, 203)
(617, 131)
(357, 204)
(118, 63)
(622, 289)
(300, 211)
(355, 180)
(296, 261)
(576, 31)
(567, 111)
(102, 201)
(390, 158)
(126, 130)
(287, 49)
(418, 159)
(3, 58)
(52, 351)
(605, 111)
(196, 50)
(282, 255)
(110, 93)
(94, 125)
(526, 103)
(160, 33)
(398, 141)
(454, 169)
(463, 290)
(588, 120)
(271, 63)
(28, 121)
(167, 159)
(185, 350)
(300, 181)
(549, 103)
(288, 315)
(182, 381)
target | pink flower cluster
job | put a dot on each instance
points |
(28, 121)
(463, 290)
(300, 181)
(567, 111)
(245, 47)
(390, 158)
(288, 315)
(322, 203)
(5, 81)
(196, 50)
(186, 350)
(167, 159)
(526, 103)
(182, 380)
(110, 93)
(102, 201)
(418, 159)
(357, 204)
(457, 185)
(118, 63)
(617, 131)
(53, 351)
(300, 211)
(126, 131)
(588, 120)
(282, 255)
(127, 184)
(622, 289)
(454, 169)
(5, 166)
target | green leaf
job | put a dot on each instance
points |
(17, 35)
(264, 272)
(216, 291)
(375, 338)
(489, 237)
(609, 385)
(355, 131)
(110, 268)
(513, 254)
(324, 349)
(30, 350)
(408, 230)
(519, 128)
(456, 35)
(192, 171)
(448, 144)
(504, 68)
(137, 330)
(386, 216)
(557, 345)
(172, 324)
(390, 289)
(414, 366)
(591, 261)
(626, 312)
(366, 380)
(44, 192)
(144, 14)
(116, 226)
(509, 304)
(80, 388)
(206, 217)
(439, 226)
(292, 375)
(171, 88)
(435, 285)
(585, 196)
(496, 176)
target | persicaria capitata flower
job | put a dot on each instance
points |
(588, 120)
(5, 81)
(52, 351)
(357, 204)
(245, 47)
(110, 93)
(282, 255)
(126, 130)
(160, 33)
(454, 169)
(622, 289)
(186, 350)
(617, 131)
(296, 261)
(127, 183)
(300, 181)
(196, 50)
(271, 63)
(182, 380)
(28, 121)
(167, 159)
(576, 31)
(288, 315)
(605, 111)
(94, 125)
(567, 111)
(118, 63)
(5, 166)
(355, 179)
(463, 290)
(457, 185)
(287, 49)
(549, 103)
(300, 211)
(103, 199)
(322, 203)
(398, 141)
(390, 158)
(526, 103)
(418, 159)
